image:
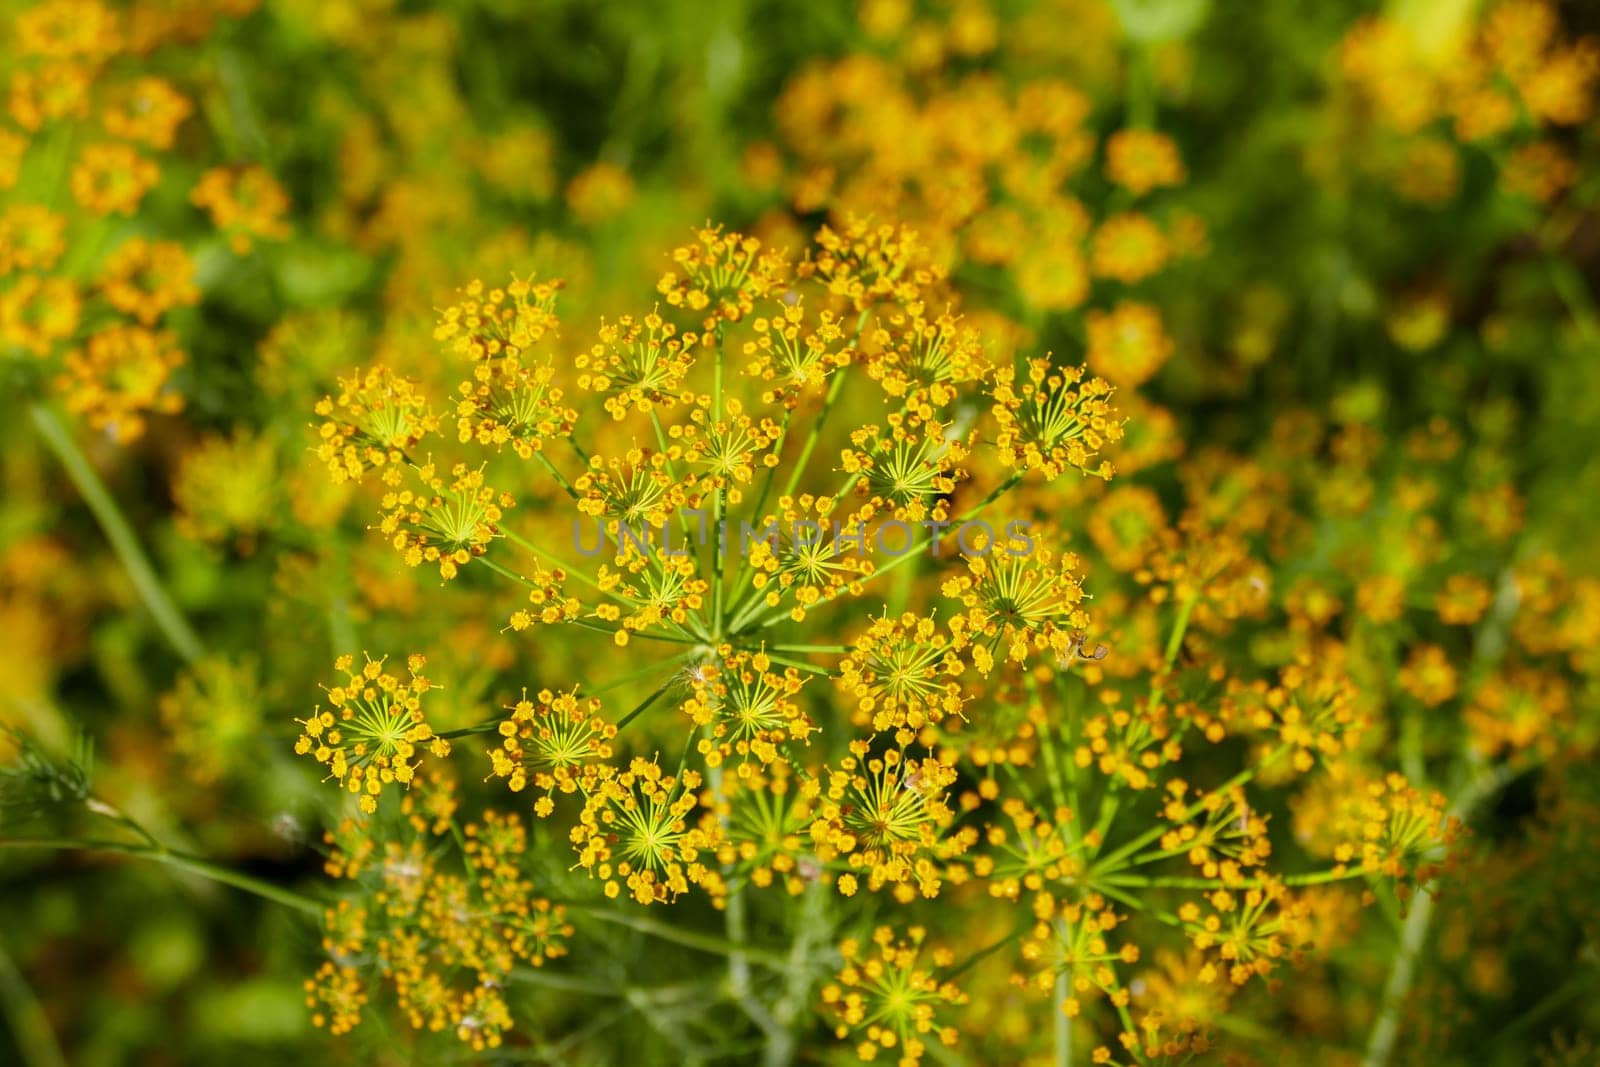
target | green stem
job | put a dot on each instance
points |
(644, 705)
(835, 388)
(1384, 1032)
(30, 1026)
(182, 861)
(173, 626)
(1063, 1022)
(708, 943)
(1112, 862)
(1181, 882)
(960, 968)
(467, 731)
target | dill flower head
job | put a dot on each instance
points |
(111, 179)
(38, 313)
(448, 523)
(1054, 420)
(1070, 940)
(726, 451)
(557, 742)
(599, 193)
(119, 376)
(512, 396)
(51, 93)
(888, 818)
(228, 485)
(1126, 525)
(793, 354)
(147, 279)
(146, 109)
(906, 471)
(1129, 248)
(903, 674)
(869, 264)
(68, 29)
(32, 238)
(375, 420)
(211, 715)
(374, 732)
(747, 709)
(1245, 932)
(1142, 160)
(921, 363)
(762, 825)
(634, 831)
(636, 364)
(1030, 854)
(1017, 604)
(1312, 710)
(246, 203)
(1395, 830)
(888, 994)
(722, 274)
(1128, 344)
(447, 941)
(1223, 838)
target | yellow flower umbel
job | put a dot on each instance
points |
(902, 674)
(376, 418)
(512, 397)
(119, 376)
(1054, 420)
(889, 996)
(1018, 604)
(747, 708)
(375, 731)
(1142, 160)
(448, 524)
(634, 829)
(723, 274)
(447, 941)
(147, 279)
(246, 203)
(556, 742)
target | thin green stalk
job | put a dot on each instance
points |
(1380, 1045)
(1063, 1021)
(1181, 882)
(182, 861)
(835, 388)
(561, 479)
(971, 961)
(1112, 861)
(1414, 932)
(707, 943)
(30, 1026)
(174, 627)
(620, 680)
(643, 706)
(467, 731)
(566, 568)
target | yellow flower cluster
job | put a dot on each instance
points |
(374, 733)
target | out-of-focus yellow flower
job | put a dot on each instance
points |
(246, 203)
(111, 179)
